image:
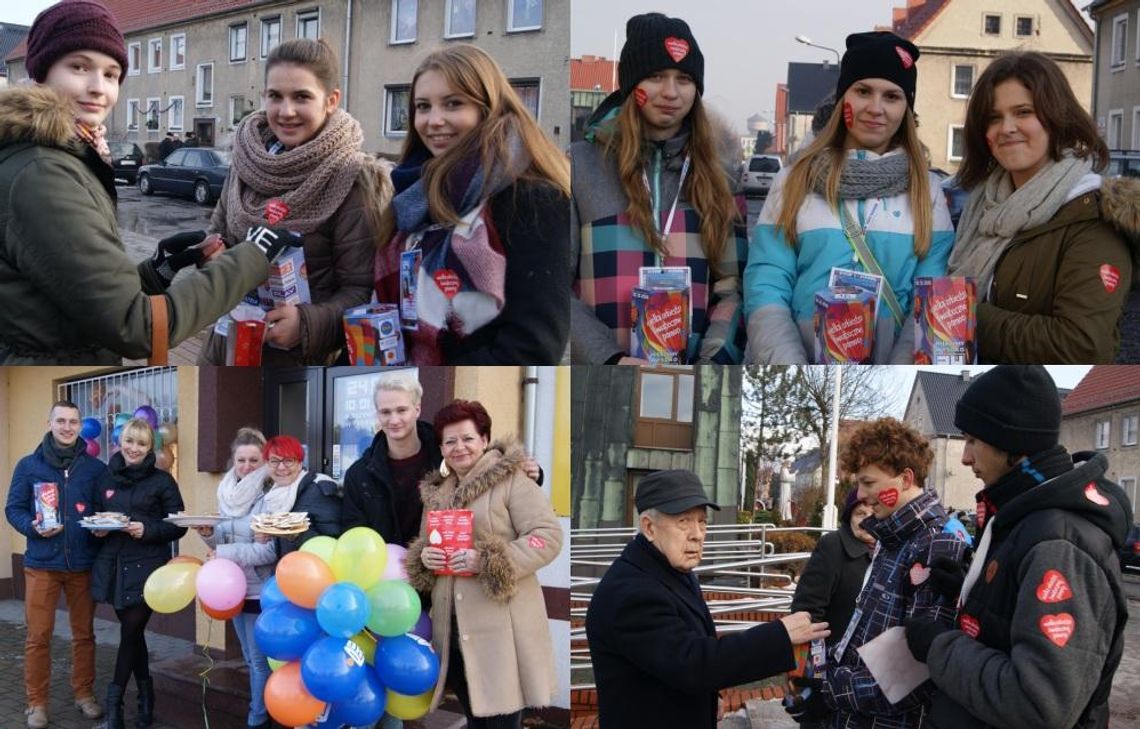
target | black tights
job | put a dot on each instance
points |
(132, 656)
(457, 679)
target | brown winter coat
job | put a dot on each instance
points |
(338, 257)
(1059, 288)
(504, 633)
(69, 294)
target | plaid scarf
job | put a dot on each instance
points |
(95, 137)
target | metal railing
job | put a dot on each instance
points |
(736, 562)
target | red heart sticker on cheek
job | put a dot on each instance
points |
(848, 114)
(889, 497)
(677, 48)
(447, 281)
(640, 96)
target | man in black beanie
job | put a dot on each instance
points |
(1042, 609)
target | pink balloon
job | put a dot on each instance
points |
(221, 585)
(394, 569)
(93, 448)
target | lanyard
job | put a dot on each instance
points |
(870, 216)
(673, 209)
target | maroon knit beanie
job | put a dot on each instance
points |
(73, 25)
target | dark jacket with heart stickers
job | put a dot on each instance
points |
(1041, 630)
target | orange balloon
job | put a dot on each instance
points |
(302, 577)
(287, 699)
(221, 614)
(186, 558)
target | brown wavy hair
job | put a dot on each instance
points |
(889, 444)
(706, 187)
(801, 180)
(1066, 122)
(473, 74)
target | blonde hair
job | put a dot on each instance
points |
(706, 187)
(137, 427)
(399, 382)
(474, 75)
(802, 178)
(248, 437)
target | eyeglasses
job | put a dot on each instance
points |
(279, 462)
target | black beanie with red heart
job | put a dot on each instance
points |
(654, 42)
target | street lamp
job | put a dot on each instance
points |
(807, 42)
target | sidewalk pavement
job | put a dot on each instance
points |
(140, 247)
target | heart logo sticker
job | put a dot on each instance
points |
(640, 96)
(1095, 496)
(1058, 628)
(1054, 587)
(905, 57)
(677, 48)
(1110, 277)
(919, 574)
(889, 497)
(275, 211)
(108, 493)
(80, 507)
(536, 542)
(991, 570)
(970, 625)
(447, 281)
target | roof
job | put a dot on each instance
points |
(590, 73)
(11, 35)
(1103, 386)
(908, 22)
(942, 393)
(809, 84)
(136, 15)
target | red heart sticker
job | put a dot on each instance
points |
(640, 96)
(905, 57)
(919, 574)
(1054, 587)
(447, 281)
(970, 625)
(1058, 628)
(1110, 277)
(536, 541)
(108, 493)
(275, 211)
(1095, 496)
(991, 570)
(80, 507)
(677, 48)
(889, 497)
(848, 114)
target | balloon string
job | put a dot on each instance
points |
(203, 675)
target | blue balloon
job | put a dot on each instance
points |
(90, 429)
(406, 664)
(116, 434)
(271, 595)
(332, 669)
(342, 610)
(365, 707)
(286, 631)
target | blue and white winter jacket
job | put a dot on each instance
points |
(780, 282)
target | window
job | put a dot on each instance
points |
(237, 109)
(396, 102)
(108, 396)
(133, 115)
(1128, 485)
(1138, 40)
(1136, 127)
(459, 19)
(956, 144)
(238, 35)
(1115, 125)
(1103, 428)
(1023, 26)
(177, 52)
(154, 55)
(309, 24)
(524, 15)
(991, 24)
(528, 90)
(963, 81)
(134, 59)
(1128, 427)
(153, 105)
(270, 35)
(1119, 33)
(664, 417)
(403, 21)
(174, 114)
(205, 85)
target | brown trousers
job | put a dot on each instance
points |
(42, 588)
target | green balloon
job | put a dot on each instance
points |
(122, 418)
(395, 608)
(323, 546)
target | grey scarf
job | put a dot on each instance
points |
(861, 179)
(996, 212)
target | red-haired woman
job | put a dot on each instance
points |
(295, 489)
(490, 629)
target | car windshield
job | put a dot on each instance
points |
(764, 164)
(223, 156)
(121, 149)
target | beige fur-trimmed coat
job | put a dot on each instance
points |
(503, 630)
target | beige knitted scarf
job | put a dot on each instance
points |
(312, 179)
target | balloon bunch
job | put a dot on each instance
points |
(165, 435)
(345, 635)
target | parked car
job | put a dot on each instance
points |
(126, 159)
(757, 177)
(1123, 164)
(191, 172)
(1130, 552)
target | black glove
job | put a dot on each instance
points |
(921, 631)
(808, 704)
(176, 253)
(946, 576)
(272, 241)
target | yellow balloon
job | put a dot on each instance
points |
(322, 546)
(367, 644)
(171, 587)
(274, 664)
(360, 557)
(408, 707)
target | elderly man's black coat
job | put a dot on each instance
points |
(657, 660)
